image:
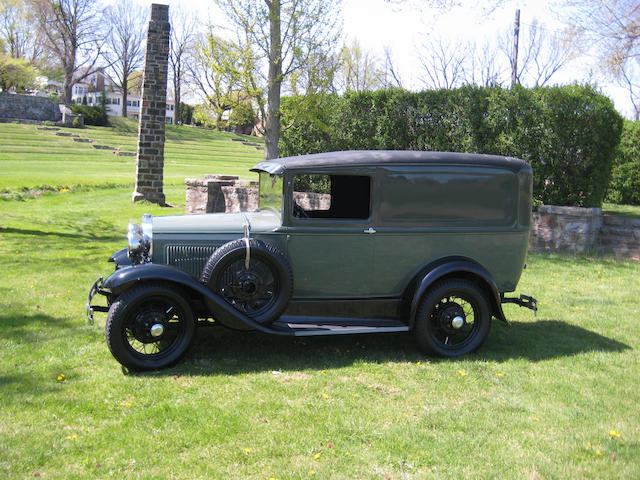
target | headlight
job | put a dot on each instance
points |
(140, 240)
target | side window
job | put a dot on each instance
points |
(331, 196)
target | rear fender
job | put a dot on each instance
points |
(462, 269)
(224, 313)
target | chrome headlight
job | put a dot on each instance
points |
(140, 240)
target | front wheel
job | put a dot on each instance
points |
(453, 319)
(150, 326)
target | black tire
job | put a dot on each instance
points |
(435, 325)
(129, 322)
(263, 291)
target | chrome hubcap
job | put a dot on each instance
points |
(156, 330)
(457, 322)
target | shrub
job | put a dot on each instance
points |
(96, 115)
(625, 176)
(77, 123)
(568, 134)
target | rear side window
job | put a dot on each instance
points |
(331, 196)
(449, 196)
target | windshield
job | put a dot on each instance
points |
(271, 191)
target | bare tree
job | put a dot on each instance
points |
(359, 69)
(611, 29)
(74, 34)
(443, 63)
(285, 34)
(482, 66)
(391, 74)
(183, 27)
(125, 48)
(543, 53)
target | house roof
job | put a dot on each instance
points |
(385, 157)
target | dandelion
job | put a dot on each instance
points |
(247, 451)
(613, 433)
(316, 456)
(323, 371)
(589, 444)
(536, 419)
(324, 396)
(462, 373)
(499, 374)
(418, 363)
(62, 377)
(599, 453)
(126, 404)
(72, 437)
(312, 472)
(64, 190)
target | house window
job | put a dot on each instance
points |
(331, 196)
(168, 120)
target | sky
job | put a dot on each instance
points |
(377, 24)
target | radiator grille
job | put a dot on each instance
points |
(189, 258)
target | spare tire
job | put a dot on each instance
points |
(262, 291)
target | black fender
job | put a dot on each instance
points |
(464, 268)
(124, 278)
(121, 258)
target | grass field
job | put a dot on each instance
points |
(33, 158)
(552, 396)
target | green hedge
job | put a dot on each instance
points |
(96, 115)
(625, 177)
(568, 134)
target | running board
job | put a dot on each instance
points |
(315, 326)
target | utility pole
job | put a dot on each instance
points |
(514, 62)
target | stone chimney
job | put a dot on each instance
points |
(151, 130)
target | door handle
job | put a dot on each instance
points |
(370, 230)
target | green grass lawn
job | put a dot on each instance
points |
(552, 396)
(32, 158)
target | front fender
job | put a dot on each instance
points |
(466, 269)
(124, 278)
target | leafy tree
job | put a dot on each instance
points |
(15, 72)
(125, 48)
(185, 114)
(359, 70)
(217, 71)
(284, 34)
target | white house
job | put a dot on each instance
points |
(93, 87)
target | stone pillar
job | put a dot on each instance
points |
(151, 133)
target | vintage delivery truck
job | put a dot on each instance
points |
(342, 243)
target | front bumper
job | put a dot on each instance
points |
(96, 288)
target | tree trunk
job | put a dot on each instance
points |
(176, 97)
(274, 81)
(68, 88)
(125, 89)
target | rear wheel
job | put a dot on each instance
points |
(150, 326)
(453, 319)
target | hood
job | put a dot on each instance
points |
(264, 221)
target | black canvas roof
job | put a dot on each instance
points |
(385, 157)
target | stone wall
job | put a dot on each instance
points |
(584, 230)
(620, 236)
(227, 193)
(27, 107)
(221, 193)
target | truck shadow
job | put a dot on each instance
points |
(221, 351)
